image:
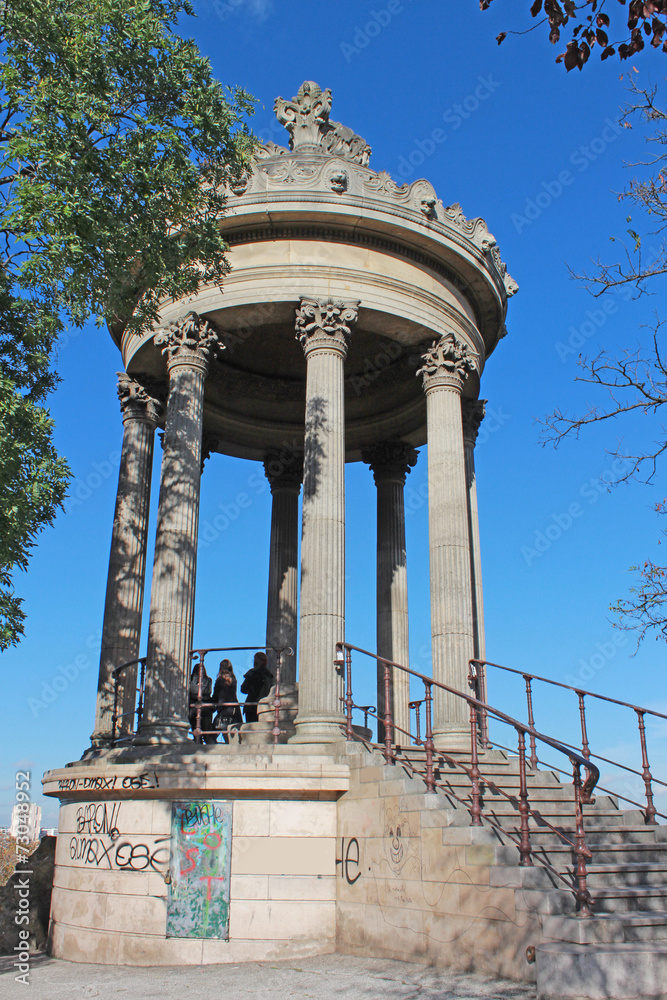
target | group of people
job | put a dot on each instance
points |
(221, 699)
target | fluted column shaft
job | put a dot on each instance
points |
(323, 329)
(390, 462)
(121, 628)
(473, 414)
(285, 476)
(175, 565)
(446, 366)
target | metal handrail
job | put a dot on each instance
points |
(139, 710)
(477, 680)
(276, 732)
(582, 791)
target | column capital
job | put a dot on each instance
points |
(472, 411)
(135, 401)
(189, 342)
(447, 364)
(325, 324)
(284, 470)
(390, 460)
(209, 444)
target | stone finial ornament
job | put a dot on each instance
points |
(189, 341)
(448, 362)
(472, 412)
(306, 118)
(325, 322)
(136, 400)
(390, 459)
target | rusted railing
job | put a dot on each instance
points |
(199, 704)
(139, 697)
(477, 680)
(582, 790)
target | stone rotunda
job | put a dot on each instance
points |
(354, 325)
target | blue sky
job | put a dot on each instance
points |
(533, 135)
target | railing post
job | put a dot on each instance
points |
(649, 815)
(524, 847)
(142, 686)
(585, 750)
(196, 732)
(114, 717)
(349, 732)
(428, 741)
(416, 705)
(581, 850)
(531, 720)
(276, 700)
(476, 809)
(388, 719)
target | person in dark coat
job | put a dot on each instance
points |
(225, 696)
(206, 723)
(256, 685)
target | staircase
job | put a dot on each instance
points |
(540, 840)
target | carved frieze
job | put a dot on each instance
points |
(323, 323)
(190, 341)
(449, 361)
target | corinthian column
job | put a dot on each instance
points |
(324, 329)
(284, 475)
(187, 345)
(447, 365)
(121, 628)
(473, 414)
(390, 462)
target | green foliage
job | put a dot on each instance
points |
(115, 144)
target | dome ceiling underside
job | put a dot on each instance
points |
(315, 220)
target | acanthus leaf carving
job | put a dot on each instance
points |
(472, 412)
(134, 398)
(320, 321)
(448, 361)
(189, 340)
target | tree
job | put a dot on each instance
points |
(634, 380)
(589, 24)
(116, 144)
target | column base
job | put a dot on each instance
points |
(452, 738)
(100, 741)
(161, 732)
(318, 729)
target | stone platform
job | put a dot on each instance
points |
(119, 856)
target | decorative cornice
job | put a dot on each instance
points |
(135, 402)
(189, 342)
(325, 324)
(472, 412)
(306, 118)
(284, 470)
(390, 460)
(447, 363)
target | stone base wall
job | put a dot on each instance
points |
(412, 885)
(114, 863)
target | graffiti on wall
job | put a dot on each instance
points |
(99, 842)
(201, 848)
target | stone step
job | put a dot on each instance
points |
(601, 972)
(627, 875)
(607, 928)
(609, 837)
(620, 899)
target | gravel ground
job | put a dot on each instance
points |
(339, 976)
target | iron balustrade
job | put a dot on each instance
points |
(276, 732)
(139, 695)
(199, 703)
(477, 678)
(393, 753)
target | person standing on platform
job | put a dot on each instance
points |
(256, 685)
